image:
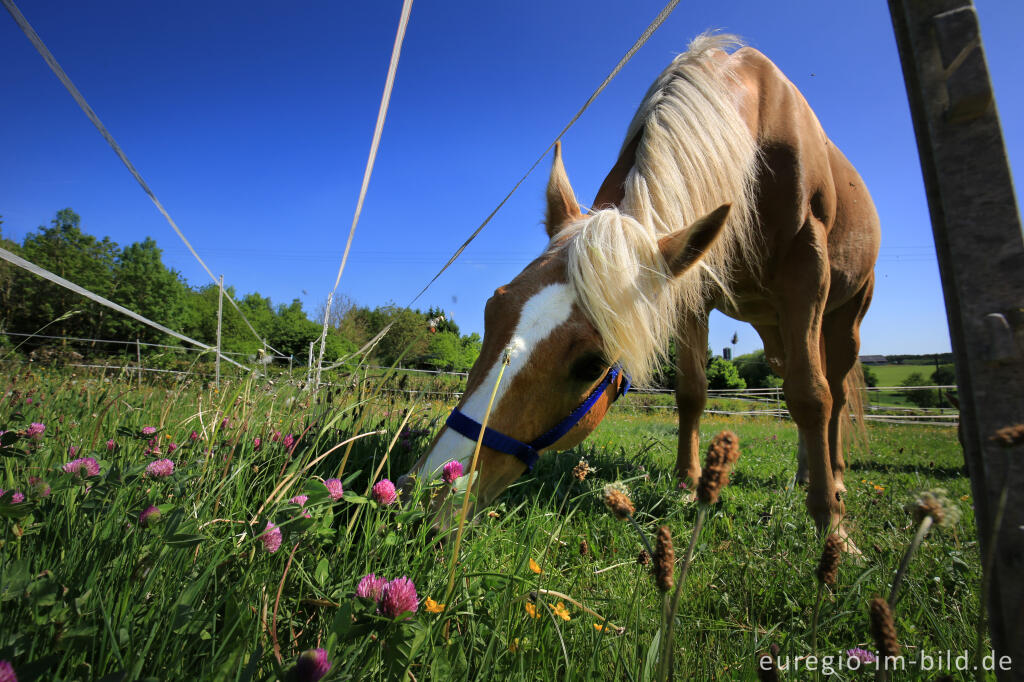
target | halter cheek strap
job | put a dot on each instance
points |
(529, 453)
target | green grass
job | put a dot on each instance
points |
(893, 375)
(88, 593)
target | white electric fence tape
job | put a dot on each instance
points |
(56, 279)
(51, 61)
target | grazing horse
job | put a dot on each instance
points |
(726, 194)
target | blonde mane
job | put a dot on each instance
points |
(695, 153)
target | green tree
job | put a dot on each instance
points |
(143, 284)
(755, 370)
(470, 350)
(870, 378)
(722, 374)
(944, 375)
(444, 352)
(408, 335)
(921, 398)
(441, 321)
(8, 275)
(292, 332)
(76, 256)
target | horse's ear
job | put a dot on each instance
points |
(683, 248)
(562, 206)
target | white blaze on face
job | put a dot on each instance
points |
(544, 312)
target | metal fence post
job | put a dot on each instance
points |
(980, 250)
(138, 358)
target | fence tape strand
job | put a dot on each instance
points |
(648, 32)
(56, 279)
(58, 71)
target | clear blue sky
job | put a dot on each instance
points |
(252, 122)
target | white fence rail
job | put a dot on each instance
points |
(771, 400)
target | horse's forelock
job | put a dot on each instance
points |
(620, 280)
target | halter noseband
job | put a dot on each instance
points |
(529, 453)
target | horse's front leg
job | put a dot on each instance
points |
(691, 395)
(808, 397)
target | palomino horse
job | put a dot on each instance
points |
(726, 194)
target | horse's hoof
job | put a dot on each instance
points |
(846, 543)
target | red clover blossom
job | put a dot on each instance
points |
(312, 665)
(451, 471)
(161, 468)
(86, 466)
(384, 492)
(370, 587)
(334, 488)
(398, 597)
(271, 537)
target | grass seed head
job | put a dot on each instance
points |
(582, 470)
(584, 548)
(766, 670)
(883, 629)
(1008, 436)
(935, 504)
(644, 559)
(664, 560)
(616, 498)
(828, 565)
(722, 453)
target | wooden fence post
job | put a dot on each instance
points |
(980, 250)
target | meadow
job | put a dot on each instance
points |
(233, 560)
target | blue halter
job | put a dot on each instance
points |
(529, 453)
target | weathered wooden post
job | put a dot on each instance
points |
(978, 239)
(220, 312)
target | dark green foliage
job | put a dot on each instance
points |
(920, 397)
(754, 369)
(722, 374)
(136, 277)
(944, 358)
(944, 375)
(870, 378)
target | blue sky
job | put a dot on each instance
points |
(252, 122)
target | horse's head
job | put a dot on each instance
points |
(599, 298)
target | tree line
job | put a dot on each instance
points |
(135, 277)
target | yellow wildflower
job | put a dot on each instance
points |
(560, 611)
(432, 606)
(531, 610)
(598, 626)
(964, 498)
(534, 566)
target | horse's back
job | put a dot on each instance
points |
(806, 182)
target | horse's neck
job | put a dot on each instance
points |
(613, 190)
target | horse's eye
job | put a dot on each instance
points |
(588, 368)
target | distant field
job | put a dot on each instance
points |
(893, 375)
